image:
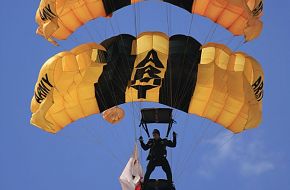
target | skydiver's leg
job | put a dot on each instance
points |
(166, 168)
(150, 168)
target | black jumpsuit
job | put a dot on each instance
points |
(157, 156)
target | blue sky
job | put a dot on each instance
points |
(90, 154)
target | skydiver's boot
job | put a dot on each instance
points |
(172, 186)
(143, 185)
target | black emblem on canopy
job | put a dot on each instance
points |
(146, 76)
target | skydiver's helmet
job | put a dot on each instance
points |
(156, 131)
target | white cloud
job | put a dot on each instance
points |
(247, 157)
(258, 168)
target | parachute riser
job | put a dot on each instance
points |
(144, 126)
(170, 125)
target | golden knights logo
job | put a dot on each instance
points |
(258, 88)
(47, 13)
(148, 74)
(258, 9)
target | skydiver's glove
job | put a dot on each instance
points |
(174, 134)
(141, 139)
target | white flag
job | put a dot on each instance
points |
(132, 175)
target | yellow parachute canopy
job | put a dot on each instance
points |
(60, 18)
(210, 81)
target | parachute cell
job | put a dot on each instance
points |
(60, 18)
(210, 81)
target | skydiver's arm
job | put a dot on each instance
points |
(169, 143)
(146, 146)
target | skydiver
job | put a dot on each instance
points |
(157, 154)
